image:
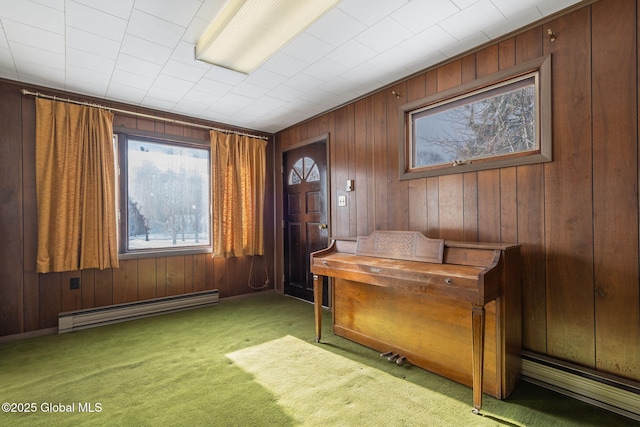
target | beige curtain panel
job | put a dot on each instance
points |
(238, 185)
(75, 187)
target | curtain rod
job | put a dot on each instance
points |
(133, 113)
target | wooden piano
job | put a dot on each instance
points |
(453, 308)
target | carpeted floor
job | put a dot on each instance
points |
(246, 362)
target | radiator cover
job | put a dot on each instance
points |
(89, 318)
(602, 390)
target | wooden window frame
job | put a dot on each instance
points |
(539, 70)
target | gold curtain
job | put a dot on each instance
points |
(238, 183)
(75, 187)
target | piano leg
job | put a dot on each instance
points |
(317, 304)
(477, 327)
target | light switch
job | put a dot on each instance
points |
(342, 200)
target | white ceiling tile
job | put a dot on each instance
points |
(145, 50)
(54, 4)
(94, 21)
(371, 11)
(183, 71)
(119, 8)
(384, 35)
(336, 27)
(418, 15)
(195, 30)
(212, 87)
(303, 82)
(173, 83)
(464, 45)
(430, 40)
(36, 15)
(510, 8)
(127, 78)
(190, 108)
(185, 52)
(165, 94)
(424, 62)
(24, 55)
(89, 42)
(43, 75)
(7, 68)
(153, 29)
(513, 23)
(179, 12)
(236, 100)
(285, 93)
(265, 78)
(351, 54)
(32, 36)
(137, 66)
(463, 3)
(125, 93)
(225, 75)
(284, 64)
(200, 97)
(3, 38)
(307, 48)
(97, 78)
(249, 90)
(465, 23)
(158, 104)
(89, 61)
(325, 69)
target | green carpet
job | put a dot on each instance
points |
(247, 362)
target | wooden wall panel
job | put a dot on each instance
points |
(530, 223)
(576, 218)
(31, 301)
(417, 188)
(568, 196)
(615, 188)
(11, 215)
(398, 191)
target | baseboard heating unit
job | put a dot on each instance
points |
(602, 390)
(92, 317)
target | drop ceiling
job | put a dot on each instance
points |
(141, 52)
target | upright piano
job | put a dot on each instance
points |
(453, 308)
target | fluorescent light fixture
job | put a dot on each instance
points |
(248, 32)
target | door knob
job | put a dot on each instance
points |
(322, 226)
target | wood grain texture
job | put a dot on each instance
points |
(31, 301)
(571, 216)
(568, 195)
(615, 187)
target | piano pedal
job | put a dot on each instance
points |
(400, 361)
(386, 354)
(393, 357)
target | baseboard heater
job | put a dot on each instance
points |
(92, 317)
(605, 391)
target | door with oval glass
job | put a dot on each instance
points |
(305, 216)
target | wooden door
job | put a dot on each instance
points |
(305, 216)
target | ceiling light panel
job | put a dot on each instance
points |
(248, 32)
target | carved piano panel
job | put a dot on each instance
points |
(456, 314)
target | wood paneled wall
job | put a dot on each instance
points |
(575, 217)
(31, 301)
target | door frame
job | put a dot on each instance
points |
(279, 203)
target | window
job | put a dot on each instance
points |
(165, 194)
(304, 169)
(496, 121)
